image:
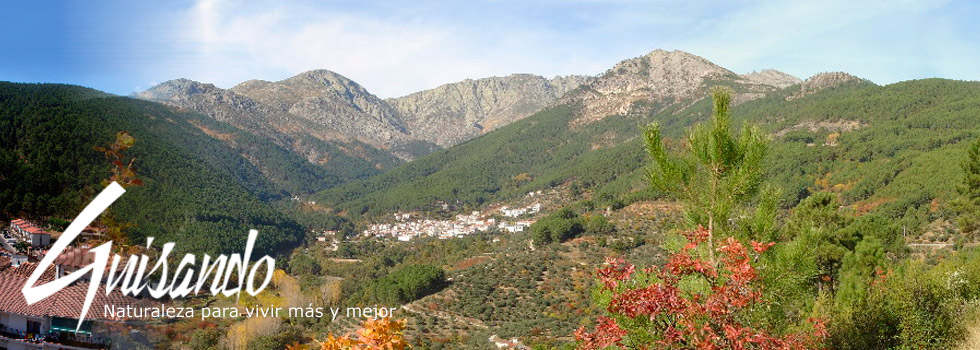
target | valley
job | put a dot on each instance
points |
(484, 210)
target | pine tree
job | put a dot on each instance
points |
(968, 203)
(716, 174)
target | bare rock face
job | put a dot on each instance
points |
(222, 105)
(330, 107)
(290, 131)
(323, 86)
(663, 77)
(657, 80)
(772, 77)
(337, 104)
(823, 81)
(456, 112)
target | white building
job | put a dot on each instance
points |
(51, 323)
(25, 231)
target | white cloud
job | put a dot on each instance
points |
(233, 42)
(395, 49)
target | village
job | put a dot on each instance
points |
(405, 227)
(51, 323)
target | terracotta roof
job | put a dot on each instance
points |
(75, 257)
(29, 227)
(66, 303)
(26, 269)
(4, 262)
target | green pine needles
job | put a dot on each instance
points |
(717, 173)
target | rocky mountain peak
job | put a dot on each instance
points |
(772, 77)
(310, 84)
(329, 106)
(829, 79)
(321, 80)
(659, 76)
(320, 91)
(823, 81)
(455, 112)
(671, 72)
(176, 89)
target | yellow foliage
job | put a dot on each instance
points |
(284, 291)
(381, 334)
(278, 278)
(241, 333)
(832, 139)
(331, 291)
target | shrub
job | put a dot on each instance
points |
(689, 303)
(559, 226)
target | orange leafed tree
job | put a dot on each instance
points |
(124, 174)
(122, 171)
(380, 334)
(689, 303)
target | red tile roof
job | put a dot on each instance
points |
(29, 227)
(66, 303)
(75, 257)
(26, 269)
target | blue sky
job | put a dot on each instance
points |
(397, 47)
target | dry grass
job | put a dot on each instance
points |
(972, 341)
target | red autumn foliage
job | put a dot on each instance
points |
(678, 318)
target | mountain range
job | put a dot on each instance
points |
(317, 152)
(321, 134)
(341, 114)
(578, 136)
(881, 148)
(338, 125)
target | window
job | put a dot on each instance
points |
(33, 327)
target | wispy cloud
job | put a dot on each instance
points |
(397, 47)
(404, 47)
(392, 52)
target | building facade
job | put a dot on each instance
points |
(52, 322)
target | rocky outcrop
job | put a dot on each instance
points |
(336, 104)
(771, 77)
(459, 111)
(660, 79)
(322, 87)
(329, 106)
(281, 127)
(222, 105)
(823, 81)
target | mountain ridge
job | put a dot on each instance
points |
(472, 107)
(591, 136)
(662, 78)
(333, 108)
(321, 112)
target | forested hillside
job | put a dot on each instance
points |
(884, 148)
(196, 189)
(505, 162)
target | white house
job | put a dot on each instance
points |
(27, 232)
(51, 323)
